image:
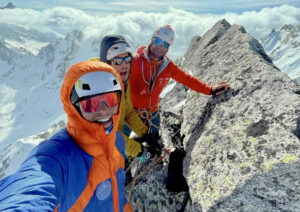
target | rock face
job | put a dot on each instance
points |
(242, 148)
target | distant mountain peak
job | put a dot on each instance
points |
(283, 47)
(288, 27)
(9, 6)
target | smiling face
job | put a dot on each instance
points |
(157, 51)
(102, 116)
(124, 68)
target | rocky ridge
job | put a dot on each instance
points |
(242, 148)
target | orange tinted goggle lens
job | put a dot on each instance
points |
(92, 104)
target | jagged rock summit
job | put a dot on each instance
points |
(242, 148)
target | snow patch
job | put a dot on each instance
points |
(30, 45)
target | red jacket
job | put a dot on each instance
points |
(144, 93)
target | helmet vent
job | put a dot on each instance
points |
(115, 82)
(86, 86)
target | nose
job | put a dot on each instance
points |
(123, 63)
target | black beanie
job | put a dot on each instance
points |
(107, 42)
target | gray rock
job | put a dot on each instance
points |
(242, 147)
(237, 142)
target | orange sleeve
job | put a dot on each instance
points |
(189, 80)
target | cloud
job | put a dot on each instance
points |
(261, 23)
(121, 6)
(137, 27)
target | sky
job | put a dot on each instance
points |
(136, 20)
(195, 6)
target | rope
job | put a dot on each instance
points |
(154, 161)
(138, 206)
(135, 160)
(146, 114)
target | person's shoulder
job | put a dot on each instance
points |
(95, 59)
(170, 63)
(60, 143)
(169, 59)
(140, 52)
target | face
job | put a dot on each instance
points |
(124, 68)
(100, 108)
(157, 51)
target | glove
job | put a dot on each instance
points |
(144, 157)
(153, 147)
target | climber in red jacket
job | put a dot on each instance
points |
(151, 71)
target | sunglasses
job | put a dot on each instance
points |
(92, 104)
(119, 60)
(158, 42)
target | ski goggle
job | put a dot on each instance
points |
(119, 60)
(158, 42)
(92, 104)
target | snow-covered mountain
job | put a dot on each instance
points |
(283, 47)
(33, 64)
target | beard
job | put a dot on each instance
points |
(157, 52)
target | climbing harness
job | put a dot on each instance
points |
(147, 116)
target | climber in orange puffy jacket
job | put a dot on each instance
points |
(81, 167)
(151, 71)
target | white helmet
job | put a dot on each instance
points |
(94, 83)
(165, 33)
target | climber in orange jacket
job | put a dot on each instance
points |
(81, 167)
(151, 71)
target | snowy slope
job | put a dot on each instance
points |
(283, 47)
(33, 64)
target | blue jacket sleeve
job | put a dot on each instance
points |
(36, 186)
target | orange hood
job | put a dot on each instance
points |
(90, 136)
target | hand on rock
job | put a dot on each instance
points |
(219, 89)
